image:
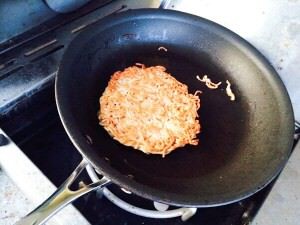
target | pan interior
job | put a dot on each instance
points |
(241, 142)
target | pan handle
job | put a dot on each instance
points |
(61, 197)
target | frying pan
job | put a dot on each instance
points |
(243, 143)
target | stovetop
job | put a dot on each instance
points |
(29, 56)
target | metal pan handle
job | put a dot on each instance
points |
(61, 197)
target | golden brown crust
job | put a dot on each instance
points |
(149, 110)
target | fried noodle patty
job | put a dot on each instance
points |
(149, 110)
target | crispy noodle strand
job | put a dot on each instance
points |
(140, 65)
(198, 92)
(229, 91)
(208, 82)
(162, 48)
(148, 109)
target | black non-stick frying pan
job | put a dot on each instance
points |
(243, 143)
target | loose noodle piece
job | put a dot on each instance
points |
(162, 48)
(229, 91)
(140, 65)
(198, 92)
(208, 82)
(148, 109)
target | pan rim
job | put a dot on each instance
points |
(137, 188)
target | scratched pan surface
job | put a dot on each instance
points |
(243, 143)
